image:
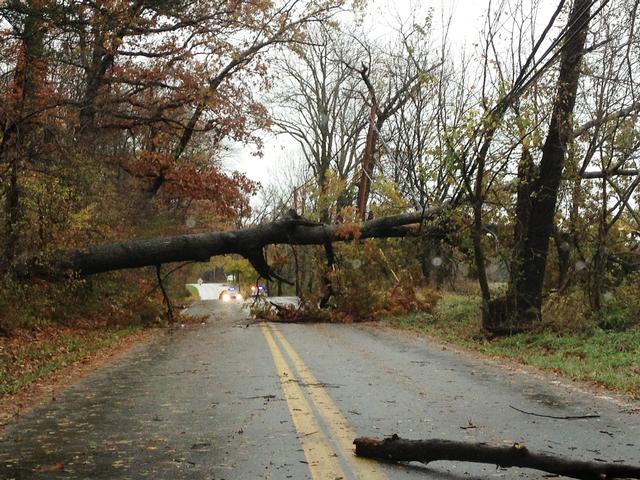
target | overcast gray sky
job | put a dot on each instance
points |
(382, 18)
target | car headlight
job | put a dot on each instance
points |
(238, 297)
(226, 297)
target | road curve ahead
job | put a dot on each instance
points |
(232, 399)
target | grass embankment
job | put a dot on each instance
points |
(30, 356)
(193, 293)
(609, 358)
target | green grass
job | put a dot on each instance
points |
(26, 362)
(193, 291)
(609, 358)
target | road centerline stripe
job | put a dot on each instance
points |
(321, 459)
(344, 435)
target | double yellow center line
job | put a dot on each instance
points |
(324, 432)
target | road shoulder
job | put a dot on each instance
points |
(626, 402)
(47, 389)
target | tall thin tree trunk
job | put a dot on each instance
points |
(12, 211)
(479, 258)
(327, 285)
(501, 319)
(27, 82)
(598, 263)
(563, 251)
(364, 186)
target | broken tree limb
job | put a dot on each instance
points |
(259, 262)
(556, 417)
(327, 284)
(201, 247)
(164, 293)
(396, 449)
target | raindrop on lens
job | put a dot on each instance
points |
(580, 265)
(191, 222)
(436, 261)
(356, 263)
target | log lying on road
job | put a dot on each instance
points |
(396, 449)
(247, 242)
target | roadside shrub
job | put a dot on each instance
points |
(148, 312)
(105, 300)
(568, 312)
(621, 306)
(24, 305)
(369, 286)
(408, 299)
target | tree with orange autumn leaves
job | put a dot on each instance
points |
(115, 114)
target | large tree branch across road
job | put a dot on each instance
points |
(247, 242)
(396, 449)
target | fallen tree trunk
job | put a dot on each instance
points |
(248, 242)
(396, 449)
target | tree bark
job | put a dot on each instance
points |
(479, 259)
(17, 136)
(563, 251)
(396, 449)
(498, 318)
(377, 117)
(364, 186)
(599, 261)
(529, 261)
(248, 242)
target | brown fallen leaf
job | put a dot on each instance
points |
(54, 467)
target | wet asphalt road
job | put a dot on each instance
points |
(233, 400)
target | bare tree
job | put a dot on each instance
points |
(393, 75)
(603, 168)
(317, 105)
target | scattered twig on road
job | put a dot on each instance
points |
(470, 425)
(396, 449)
(261, 397)
(556, 417)
(315, 384)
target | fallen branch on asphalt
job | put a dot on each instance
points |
(396, 449)
(556, 417)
